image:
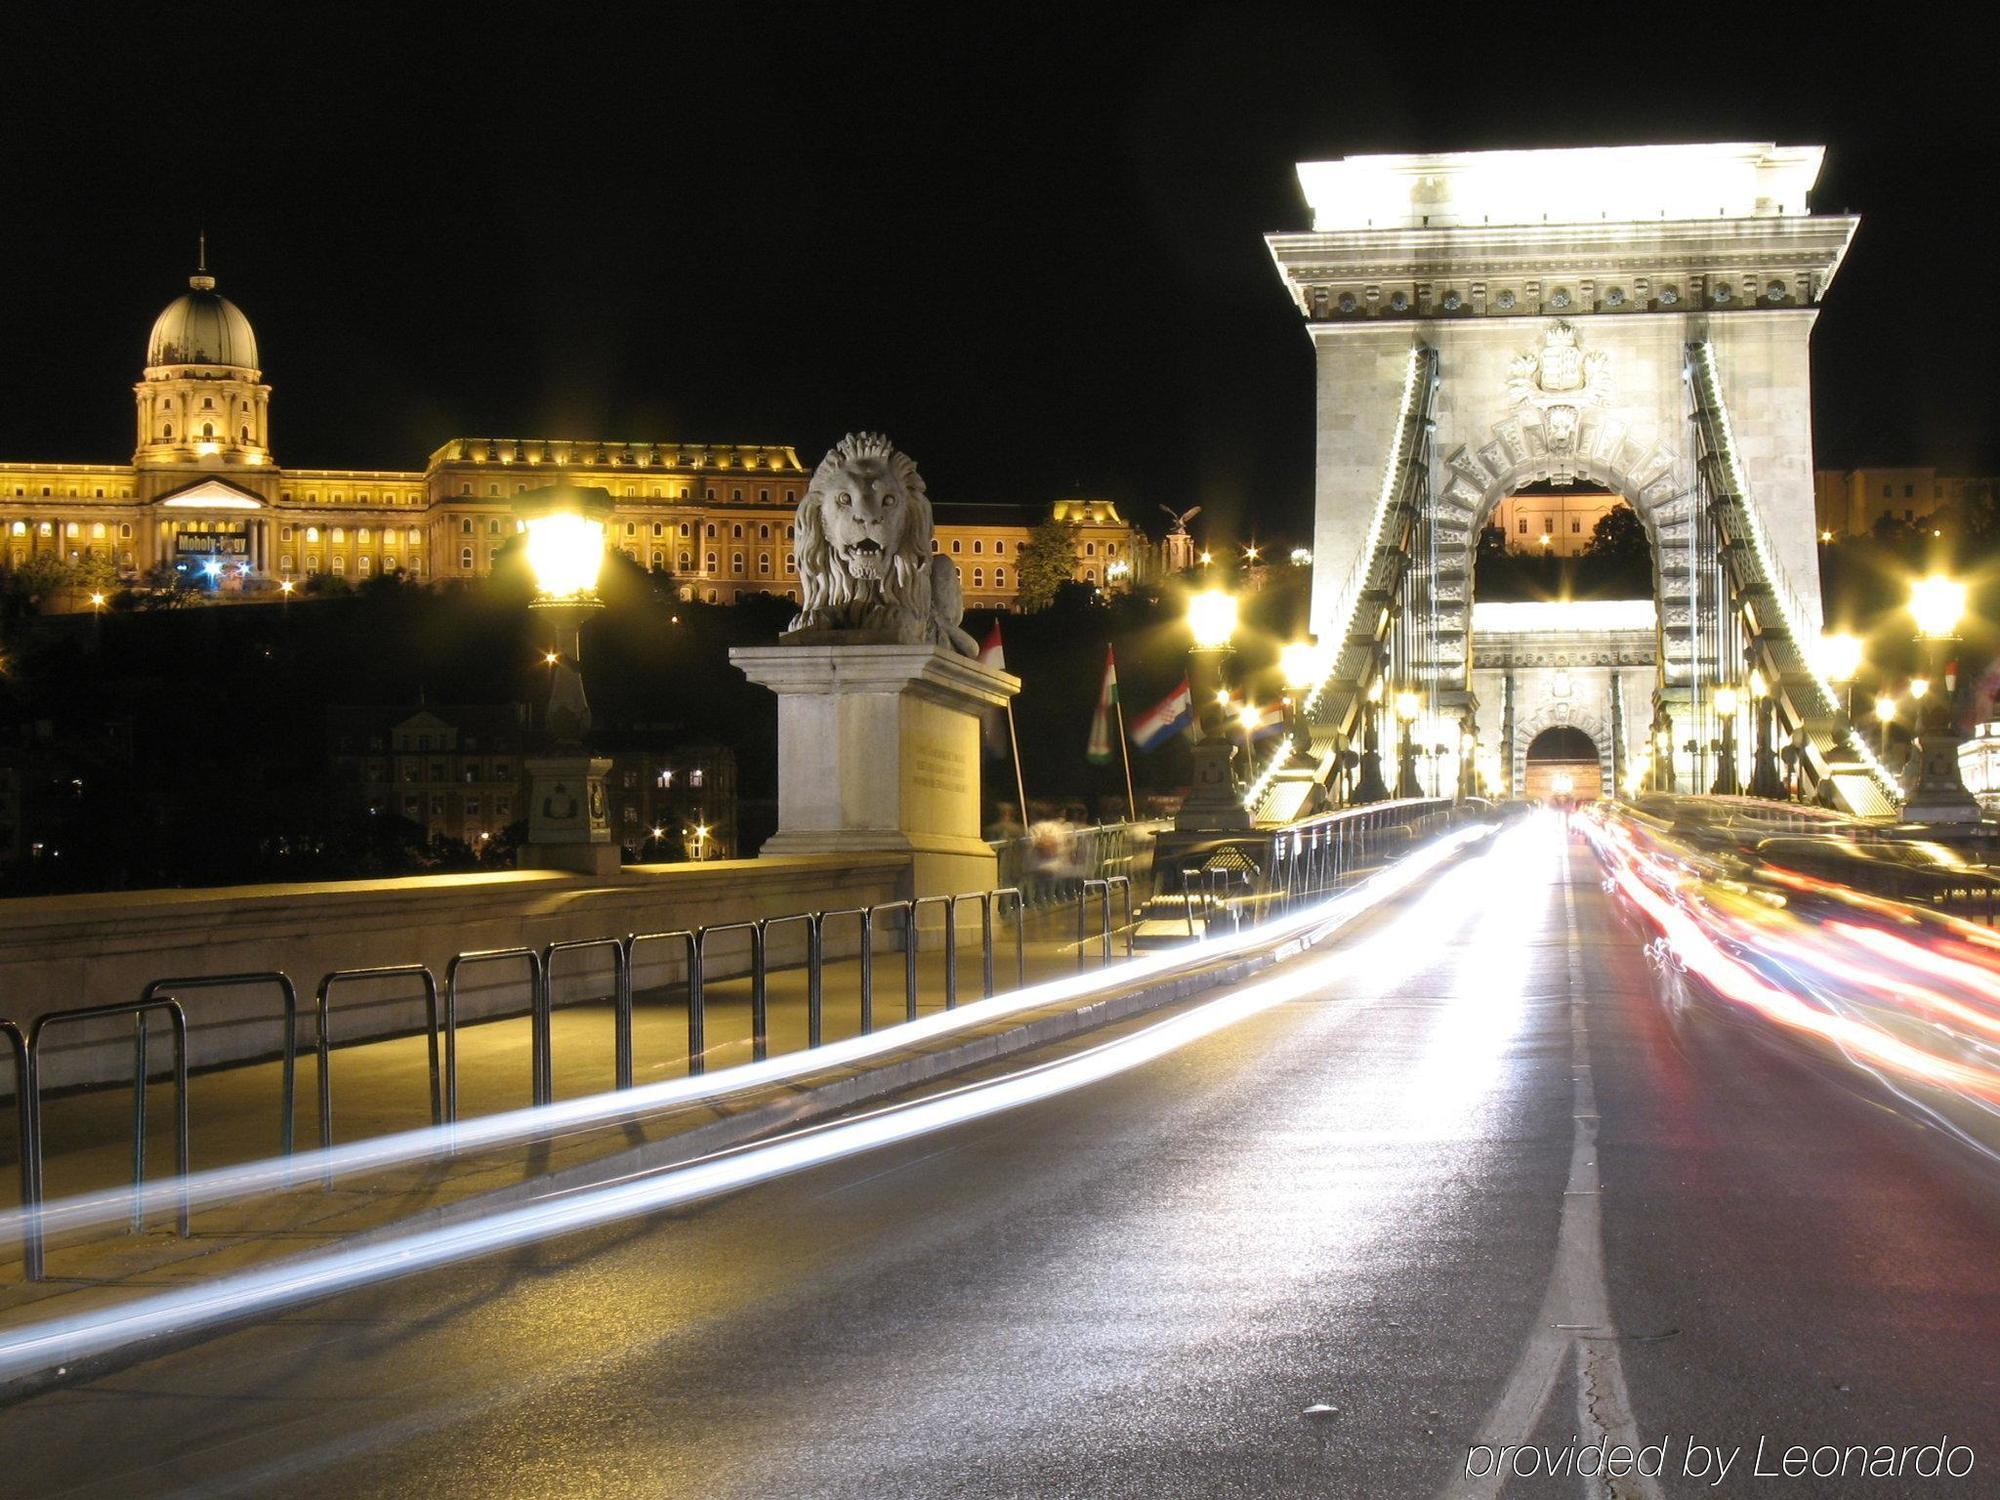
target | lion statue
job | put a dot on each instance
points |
(864, 551)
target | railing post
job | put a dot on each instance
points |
(815, 977)
(986, 941)
(138, 1122)
(697, 1001)
(951, 953)
(910, 959)
(867, 969)
(760, 1012)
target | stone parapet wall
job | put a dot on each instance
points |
(58, 952)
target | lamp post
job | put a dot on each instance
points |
(1663, 752)
(1303, 666)
(1407, 705)
(1840, 660)
(1766, 780)
(569, 823)
(1938, 603)
(1726, 784)
(1215, 800)
(1885, 715)
(1369, 786)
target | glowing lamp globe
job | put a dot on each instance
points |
(1302, 664)
(1840, 656)
(1406, 706)
(1938, 603)
(1725, 701)
(1212, 618)
(563, 529)
(1885, 708)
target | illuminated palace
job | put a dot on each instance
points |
(205, 493)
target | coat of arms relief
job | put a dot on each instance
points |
(1555, 384)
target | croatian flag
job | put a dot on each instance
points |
(1166, 718)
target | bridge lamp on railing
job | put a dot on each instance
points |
(1765, 778)
(1885, 715)
(1370, 786)
(1937, 603)
(1303, 666)
(1726, 705)
(1215, 801)
(1840, 661)
(1408, 705)
(569, 826)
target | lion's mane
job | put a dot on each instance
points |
(834, 599)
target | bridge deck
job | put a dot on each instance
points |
(1466, 1181)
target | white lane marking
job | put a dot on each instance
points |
(1576, 1303)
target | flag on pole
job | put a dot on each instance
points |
(1098, 751)
(993, 735)
(1270, 720)
(1160, 723)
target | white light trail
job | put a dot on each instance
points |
(273, 1174)
(63, 1341)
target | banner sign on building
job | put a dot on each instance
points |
(211, 544)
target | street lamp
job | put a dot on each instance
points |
(1370, 787)
(1215, 801)
(1303, 667)
(1726, 784)
(1765, 779)
(1937, 603)
(569, 824)
(1407, 705)
(1885, 715)
(1840, 660)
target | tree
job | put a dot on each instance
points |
(1045, 563)
(1619, 536)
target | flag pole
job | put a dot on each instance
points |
(1014, 742)
(1125, 754)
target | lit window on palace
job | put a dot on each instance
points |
(339, 535)
(339, 564)
(285, 563)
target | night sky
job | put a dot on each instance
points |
(1028, 246)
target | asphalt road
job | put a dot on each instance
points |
(1475, 1184)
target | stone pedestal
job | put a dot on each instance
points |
(1940, 795)
(569, 821)
(878, 748)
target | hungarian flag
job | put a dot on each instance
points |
(993, 725)
(1167, 717)
(1270, 720)
(1098, 751)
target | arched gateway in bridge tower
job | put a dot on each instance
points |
(1630, 319)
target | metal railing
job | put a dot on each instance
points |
(697, 960)
(541, 1081)
(287, 992)
(324, 1040)
(29, 1056)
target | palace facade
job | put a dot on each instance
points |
(205, 494)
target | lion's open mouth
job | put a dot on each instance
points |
(864, 557)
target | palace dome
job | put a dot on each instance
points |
(202, 327)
